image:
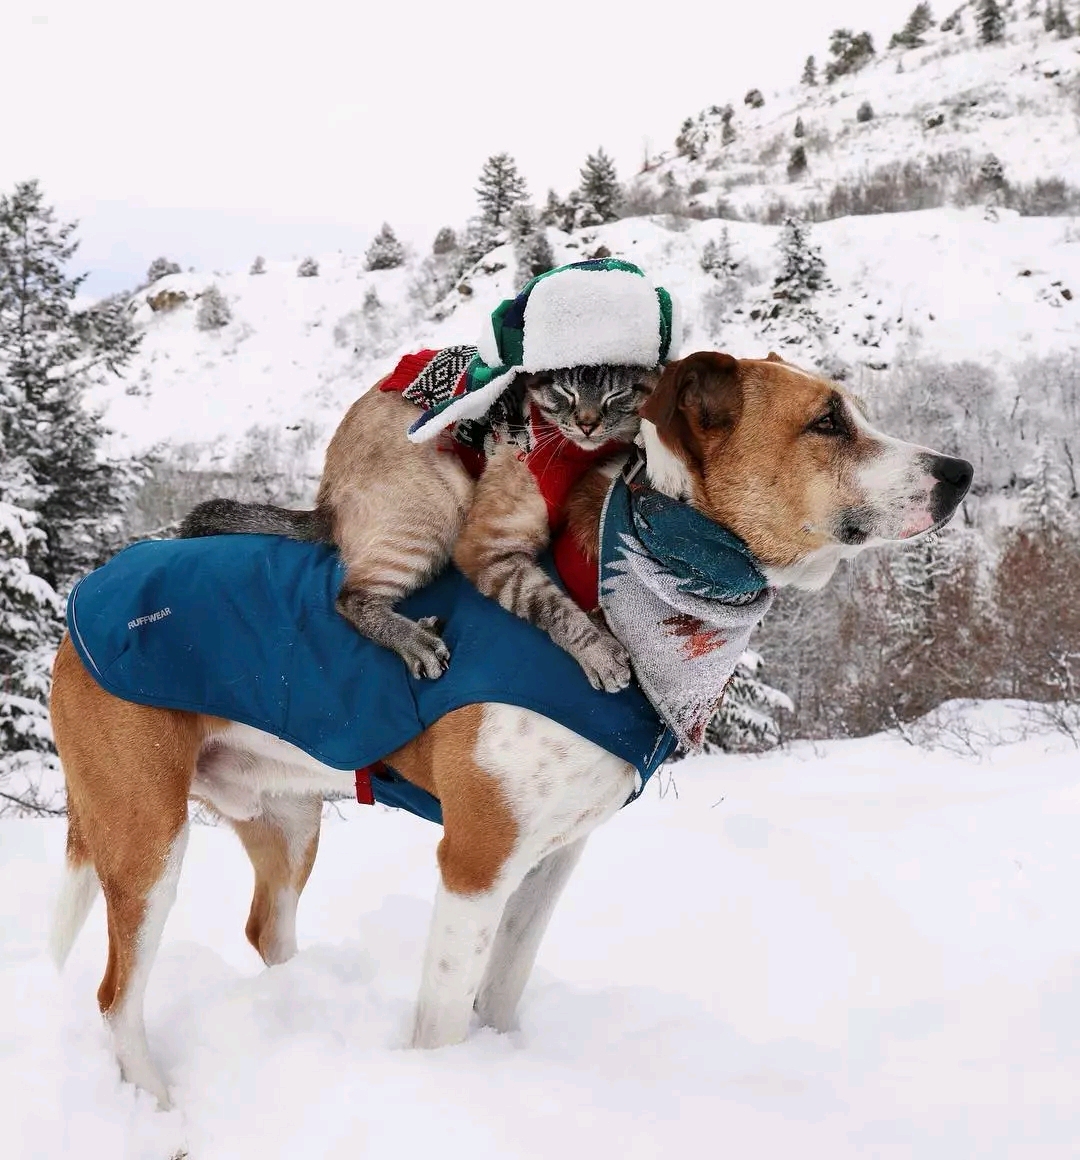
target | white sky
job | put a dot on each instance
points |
(211, 130)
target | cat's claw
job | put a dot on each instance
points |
(604, 661)
(424, 652)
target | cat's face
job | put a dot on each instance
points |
(592, 406)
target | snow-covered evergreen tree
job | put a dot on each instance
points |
(258, 266)
(990, 21)
(445, 242)
(800, 130)
(49, 355)
(161, 268)
(385, 252)
(802, 268)
(911, 35)
(532, 250)
(809, 72)
(716, 257)
(499, 189)
(748, 719)
(30, 626)
(796, 165)
(214, 311)
(1045, 502)
(693, 137)
(308, 268)
(599, 191)
(849, 51)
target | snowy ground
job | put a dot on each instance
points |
(860, 950)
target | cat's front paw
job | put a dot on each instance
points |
(423, 650)
(604, 661)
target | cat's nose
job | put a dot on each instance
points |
(588, 423)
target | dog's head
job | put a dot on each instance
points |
(789, 462)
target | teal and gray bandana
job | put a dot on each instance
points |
(683, 595)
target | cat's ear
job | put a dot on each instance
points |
(532, 379)
(702, 390)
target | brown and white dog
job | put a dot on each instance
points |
(784, 459)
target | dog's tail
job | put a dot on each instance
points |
(219, 517)
(78, 889)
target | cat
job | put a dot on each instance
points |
(399, 511)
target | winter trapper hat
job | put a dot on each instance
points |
(595, 313)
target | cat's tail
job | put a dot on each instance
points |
(219, 517)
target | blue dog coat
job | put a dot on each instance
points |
(244, 627)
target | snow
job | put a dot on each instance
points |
(1014, 100)
(946, 284)
(848, 949)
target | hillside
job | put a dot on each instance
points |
(943, 284)
(938, 112)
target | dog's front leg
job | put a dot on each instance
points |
(524, 921)
(463, 928)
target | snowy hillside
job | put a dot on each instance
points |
(948, 284)
(948, 104)
(847, 951)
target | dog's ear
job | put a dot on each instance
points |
(703, 390)
(772, 356)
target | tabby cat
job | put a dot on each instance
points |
(399, 511)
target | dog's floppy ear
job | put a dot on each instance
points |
(702, 389)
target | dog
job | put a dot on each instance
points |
(782, 458)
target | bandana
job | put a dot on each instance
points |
(683, 595)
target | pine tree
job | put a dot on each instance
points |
(809, 72)
(49, 355)
(258, 266)
(599, 190)
(1062, 24)
(385, 252)
(30, 627)
(161, 268)
(214, 311)
(445, 242)
(990, 21)
(531, 246)
(1045, 506)
(717, 259)
(692, 138)
(796, 165)
(748, 717)
(802, 268)
(850, 51)
(500, 188)
(911, 35)
(558, 213)
(800, 130)
(864, 113)
(308, 268)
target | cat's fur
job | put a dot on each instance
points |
(398, 511)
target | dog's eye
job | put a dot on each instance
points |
(827, 424)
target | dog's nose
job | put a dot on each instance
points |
(956, 473)
(953, 480)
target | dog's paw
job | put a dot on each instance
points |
(604, 661)
(424, 652)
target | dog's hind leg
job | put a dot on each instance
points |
(127, 778)
(137, 910)
(524, 922)
(281, 843)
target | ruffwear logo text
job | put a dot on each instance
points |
(139, 621)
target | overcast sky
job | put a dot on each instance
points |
(211, 130)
